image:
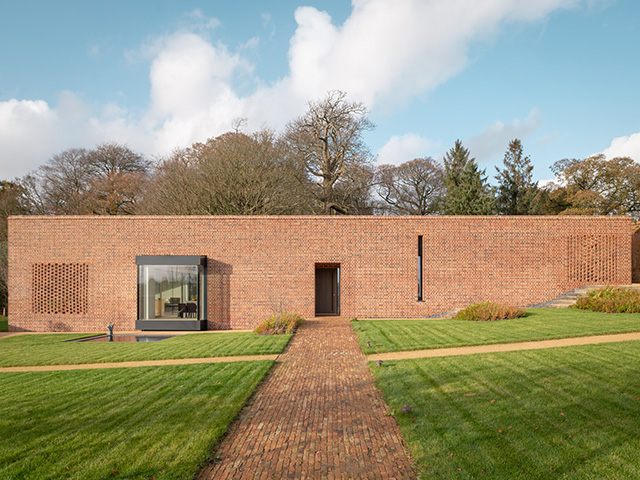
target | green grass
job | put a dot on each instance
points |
(4, 324)
(568, 413)
(133, 423)
(538, 324)
(54, 349)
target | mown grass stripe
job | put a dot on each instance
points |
(25, 350)
(137, 421)
(539, 324)
(566, 413)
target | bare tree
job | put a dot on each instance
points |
(172, 188)
(233, 174)
(113, 157)
(327, 140)
(63, 182)
(108, 180)
(352, 193)
(412, 188)
(119, 182)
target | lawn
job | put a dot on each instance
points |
(4, 324)
(538, 324)
(133, 423)
(570, 413)
(54, 349)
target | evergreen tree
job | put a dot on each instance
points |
(466, 185)
(516, 191)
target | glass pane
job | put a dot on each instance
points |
(168, 292)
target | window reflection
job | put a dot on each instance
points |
(169, 292)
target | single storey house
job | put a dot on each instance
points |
(77, 273)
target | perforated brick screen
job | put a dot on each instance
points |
(592, 258)
(60, 288)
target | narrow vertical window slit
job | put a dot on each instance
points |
(419, 268)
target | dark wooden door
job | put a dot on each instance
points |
(326, 291)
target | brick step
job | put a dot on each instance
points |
(449, 314)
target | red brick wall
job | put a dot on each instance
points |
(635, 255)
(256, 262)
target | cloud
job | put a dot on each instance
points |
(198, 20)
(389, 54)
(32, 131)
(382, 55)
(267, 24)
(495, 139)
(404, 148)
(26, 133)
(626, 146)
(548, 183)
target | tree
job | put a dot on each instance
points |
(108, 180)
(353, 191)
(467, 192)
(119, 180)
(597, 186)
(516, 192)
(10, 204)
(60, 186)
(412, 188)
(327, 141)
(233, 174)
(173, 187)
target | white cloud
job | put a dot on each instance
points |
(383, 54)
(32, 131)
(404, 148)
(548, 183)
(200, 21)
(388, 53)
(267, 24)
(626, 146)
(495, 139)
(26, 133)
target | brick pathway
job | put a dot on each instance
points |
(317, 415)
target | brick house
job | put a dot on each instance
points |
(77, 273)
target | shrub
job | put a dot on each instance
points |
(610, 300)
(487, 311)
(279, 324)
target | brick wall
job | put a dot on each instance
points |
(635, 255)
(254, 263)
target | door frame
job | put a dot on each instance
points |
(335, 302)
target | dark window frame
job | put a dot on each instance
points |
(420, 269)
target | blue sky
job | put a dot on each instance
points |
(561, 75)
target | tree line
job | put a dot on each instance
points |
(318, 165)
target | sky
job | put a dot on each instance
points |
(155, 75)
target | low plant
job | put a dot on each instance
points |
(610, 299)
(279, 323)
(489, 311)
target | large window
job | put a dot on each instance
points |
(171, 287)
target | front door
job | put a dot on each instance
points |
(327, 290)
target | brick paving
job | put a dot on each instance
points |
(317, 415)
